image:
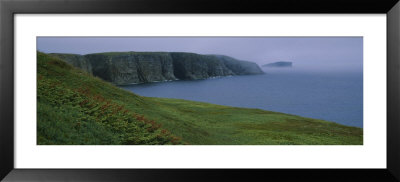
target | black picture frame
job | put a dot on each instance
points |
(8, 8)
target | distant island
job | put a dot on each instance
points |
(279, 64)
(122, 68)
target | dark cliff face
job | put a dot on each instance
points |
(141, 67)
(189, 66)
(128, 68)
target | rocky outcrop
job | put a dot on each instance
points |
(279, 64)
(141, 67)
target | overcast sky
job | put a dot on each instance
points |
(335, 53)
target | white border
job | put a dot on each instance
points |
(371, 155)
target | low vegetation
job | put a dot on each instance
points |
(75, 108)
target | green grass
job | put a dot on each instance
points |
(77, 108)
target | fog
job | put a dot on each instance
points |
(306, 53)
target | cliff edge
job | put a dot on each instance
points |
(123, 68)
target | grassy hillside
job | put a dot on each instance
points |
(76, 108)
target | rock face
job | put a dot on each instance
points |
(240, 67)
(123, 68)
(189, 66)
(279, 64)
(128, 68)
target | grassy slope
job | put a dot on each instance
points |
(76, 108)
(145, 120)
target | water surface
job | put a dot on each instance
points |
(332, 96)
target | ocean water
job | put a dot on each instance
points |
(332, 96)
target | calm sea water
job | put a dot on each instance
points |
(331, 96)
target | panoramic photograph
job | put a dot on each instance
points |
(199, 90)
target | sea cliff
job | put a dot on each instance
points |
(123, 68)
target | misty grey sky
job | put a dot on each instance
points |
(325, 53)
